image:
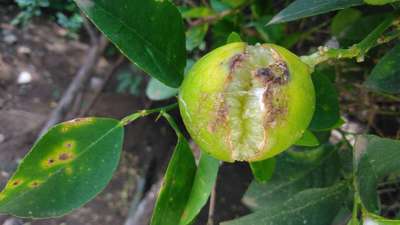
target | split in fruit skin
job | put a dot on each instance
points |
(247, 103)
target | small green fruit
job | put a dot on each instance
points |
(247, 103)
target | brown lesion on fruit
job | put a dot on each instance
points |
(236, 61)
(222, 111)
(276, 74)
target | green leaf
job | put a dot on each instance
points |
(379, 2)
(221, 30)
(374, 157)
(296, 172)
(308, 139)
(326, 113)
(234, 3)
(66, 168)
(195, 36)
(197, 12)
(157, 91)
(305, 8)
(263, 170)
(203, 184)
(359, 29)
(150, 33)
(316, 206)
(177, 184)
(233, 37)
(219, 6)
(385, 77)
(270, 34)
(343, 19)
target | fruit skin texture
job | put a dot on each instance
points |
(242, 119)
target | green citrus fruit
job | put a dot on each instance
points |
(247, 103)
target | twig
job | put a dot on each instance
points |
(144, 210)
(357, 51)
(140, 184)
(211, 210)
(106, 78)
(89, 29)
(81, 77)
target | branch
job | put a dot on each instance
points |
(76, 85)
(145, 208)
(357, 51)
(211, 210)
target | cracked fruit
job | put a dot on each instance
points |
(247, 103)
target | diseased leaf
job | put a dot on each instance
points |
(305, 8)
(326, 113)
(385, 77)
(315, 206)
(203, 184)
(177, 185)
(263, 170)
(66, 168)
(308, 139)
(150, 33)
(296, 172)
(374, 157)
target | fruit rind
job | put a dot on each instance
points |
(222, 125)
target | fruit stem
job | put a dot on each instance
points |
(358, 50)
(145, 112)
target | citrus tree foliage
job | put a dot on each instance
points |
(313, 182)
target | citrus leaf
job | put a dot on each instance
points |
(233, 37)
(385, 77)
(177, 184)
(326, 113)
(305, 8)
(263, 170)
(66, 168)
(158, 91)
(374, 157)
(150, 33)
(315, 206)
(308, 139)
(318, 167)
(379, 2)
(197, 12)
(195, 36)
(203, 184)
(343, 19)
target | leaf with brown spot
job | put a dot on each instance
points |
(55, 177)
